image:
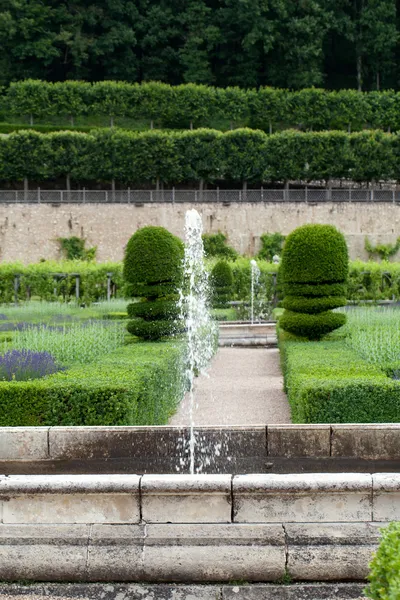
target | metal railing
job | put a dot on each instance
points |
(129, 196)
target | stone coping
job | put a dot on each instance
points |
(241, 449)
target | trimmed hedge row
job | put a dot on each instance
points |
(38, 280)
(191, 105)
(370, 281)
(327, 382)
(242, 155)
(140, 384)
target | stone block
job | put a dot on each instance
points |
(70, 499)
(24, 443)
(186, 498)
(298, 440)
(386, 497)
(210, 552)
(115, 553)
(319, 497)
(74, 443)
(43, 552)
(370, 442)
(333, 552)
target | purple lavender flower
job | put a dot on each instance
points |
(22, 365)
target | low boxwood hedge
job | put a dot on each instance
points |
(327, 382)
(140, 384)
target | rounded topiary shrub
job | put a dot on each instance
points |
(153, 270)
(222, 284)
(313, 271)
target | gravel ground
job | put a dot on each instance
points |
(243, 386)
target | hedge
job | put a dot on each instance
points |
(191, 105)
(203, 155)
(384, 573)
(368, 281)
(327, 382)
(37, 280)
(140, 384)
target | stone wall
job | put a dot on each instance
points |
(29, 232)
(285, 448)
(184, 528)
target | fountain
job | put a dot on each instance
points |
(201, 330)
(255, 279)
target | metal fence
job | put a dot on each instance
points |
(196, 196)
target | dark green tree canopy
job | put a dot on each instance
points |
(288, 43)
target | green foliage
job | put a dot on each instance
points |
(384, 251)
(384, 576)
(328, 382)
(153, 268)
(72, 344)
(192, 105)
(37, 280)
(271, 245)
(215, 245)
(237, 157)
(311, 325)
(73, 248)
(140, 384)
(153, 256)
(222, 284)
(313, 255)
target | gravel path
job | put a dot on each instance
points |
(243, 386)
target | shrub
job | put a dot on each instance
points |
(384, 573)
(222, 284)
(73, 248)
(215, 245)
(314, 256)
(139, 384)
(154, 271)
(328, 382)
(271, 245)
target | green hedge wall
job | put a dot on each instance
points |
(368, 281)
(236, 156)
(384, 574)
(191, 105)
(327, 382)
(37, 280)
(140, 384)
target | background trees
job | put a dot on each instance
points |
(247, 43)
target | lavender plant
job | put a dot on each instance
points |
(23, 365)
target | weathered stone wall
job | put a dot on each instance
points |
(185, 528)
(29, 232)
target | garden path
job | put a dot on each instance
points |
(243, 386)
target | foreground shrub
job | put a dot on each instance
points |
(222, 284)
(139, 384)
(314, 256)
(154, 271)
(384, 576)
(24, 365)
